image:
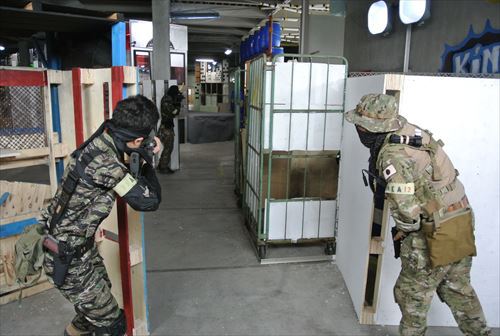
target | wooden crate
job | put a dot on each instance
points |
(20, 207)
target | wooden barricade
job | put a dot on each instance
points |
(86, 97)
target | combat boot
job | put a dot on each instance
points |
(117, 328)
(71, 330)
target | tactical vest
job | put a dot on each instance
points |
(436, 186)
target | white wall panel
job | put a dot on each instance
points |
(464, 113)
(355, 200)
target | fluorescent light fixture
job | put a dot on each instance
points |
(228, 52)
(209, 60)
(412, 11)
(291, 19)
(194, 16)
(379, 18)
(2, 48)
(291, 29)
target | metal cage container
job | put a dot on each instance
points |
(294, 122)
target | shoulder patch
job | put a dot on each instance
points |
(400, 188)
(389, 171)
(124, 186)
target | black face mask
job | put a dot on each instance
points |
(121, 136)
(374, 142)
(177, 100)
(368, 139)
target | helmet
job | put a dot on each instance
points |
(377, 113)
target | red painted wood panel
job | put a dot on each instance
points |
(22, 78)
(117, 78)
(77, 105)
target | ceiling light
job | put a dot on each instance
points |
(2, 48)
(209, 60)
(412, 11)
(291, 29)
(379, 18)
(228, 52)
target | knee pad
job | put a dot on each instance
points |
(117, 328)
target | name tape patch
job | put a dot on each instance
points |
(124, 186)
(400, 188)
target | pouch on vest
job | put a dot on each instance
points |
(452, 239)
(30, 255)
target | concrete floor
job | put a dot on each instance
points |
(203, 275)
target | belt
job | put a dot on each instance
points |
(84, 248)
(78, 251)
(463, 203)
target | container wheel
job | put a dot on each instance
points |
(330, 248)
(262, 251)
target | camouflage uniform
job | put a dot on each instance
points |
(414, 177)
(87, 285)
(166, 133)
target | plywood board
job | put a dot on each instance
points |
(355, 200)
(67, 117)
(463, 112)
(93, 99)
(138, 270)
(24, 199)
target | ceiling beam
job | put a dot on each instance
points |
(239, 3)
(21, 19)
(226, 40)
(217, 30)
(225, 22)
(129, 6)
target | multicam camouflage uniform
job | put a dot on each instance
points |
(166, 133)
(414, 178)
(87, 285)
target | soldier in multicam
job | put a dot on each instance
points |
(415, 179)
(170, 107)
(104, 175)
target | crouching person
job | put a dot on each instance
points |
(95, 175)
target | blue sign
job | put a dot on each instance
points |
(477, 53)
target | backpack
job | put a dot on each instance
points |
(29, 255)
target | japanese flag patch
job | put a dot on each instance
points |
(389, 171)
